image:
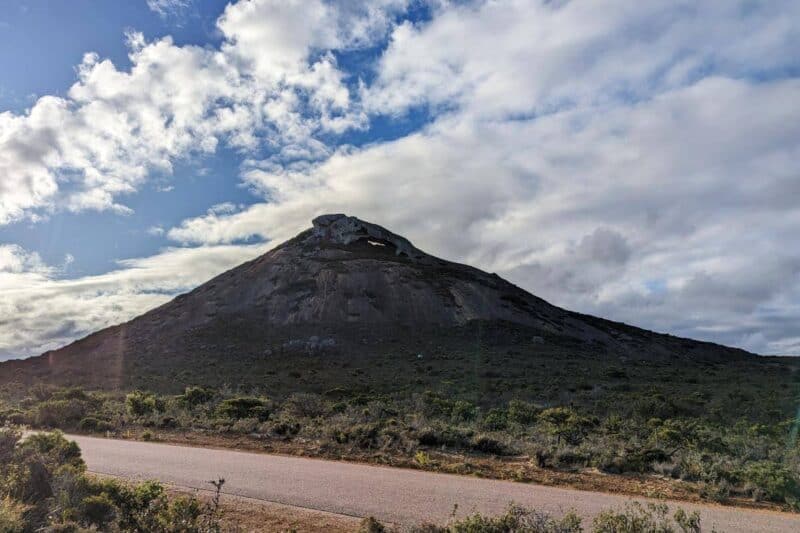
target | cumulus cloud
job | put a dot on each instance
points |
(272, 86)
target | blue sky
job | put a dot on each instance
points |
(47, 66)
(194, 185)
(632, 161)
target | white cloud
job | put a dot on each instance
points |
(40, 311)
(168, 7)
(272, 85)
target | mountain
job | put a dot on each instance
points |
(346, 302)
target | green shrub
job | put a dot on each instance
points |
(12, 416)
(194, 396)
(92, 424)
(302, 405)
(566, 424)
(522, 413)
(496, 420)
(489, 445)
(139, 403)
(638, 518)
(772, 481)
(59, 413)
(364, 436)
(43, 487)
(98, 510)
(463, 411)
(286, 428)
(244, 407)
(450, 436)
(168, 422)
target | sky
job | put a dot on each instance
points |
(633, 160)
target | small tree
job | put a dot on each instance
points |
(565, 423)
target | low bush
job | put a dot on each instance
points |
(59, 413)
(771, 481)
(488, 445)
(141, 403)
(91, 424)
(194, 396)
(44, 487)
(638, 518)
(244, 407)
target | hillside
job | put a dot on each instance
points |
(345, 302)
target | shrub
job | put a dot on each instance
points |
(445, 436)
(636, 518)
(771, 480)
(364, 436)
(12, 516)
(522, 413)
(486, 444)
(91, 424)
(168, 422)
(514, 519)
(59, 413)
(194, 396)
(12, 416)
(303, 405)
(370, 525)
(433, 405)
(43, 487)
(245, 425)
(495, 420)
(244, 407)
(73, 393)
(141, 403)
(566, 424)
(286, 428)
(463, 411)
(98, 510)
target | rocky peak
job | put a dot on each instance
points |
(342, 229)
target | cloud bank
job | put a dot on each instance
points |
(636, 161)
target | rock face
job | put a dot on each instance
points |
(341, 284)
(342, 229)
(347, 270)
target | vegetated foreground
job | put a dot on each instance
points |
(44, 487)
(721, 433)
(349, 342)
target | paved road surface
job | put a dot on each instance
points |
(390, 494)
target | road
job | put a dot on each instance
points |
(389, 494)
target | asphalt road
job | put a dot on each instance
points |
(389, 494)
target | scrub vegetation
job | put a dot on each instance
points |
(715, 431)
(44, 487)
(633, 518)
